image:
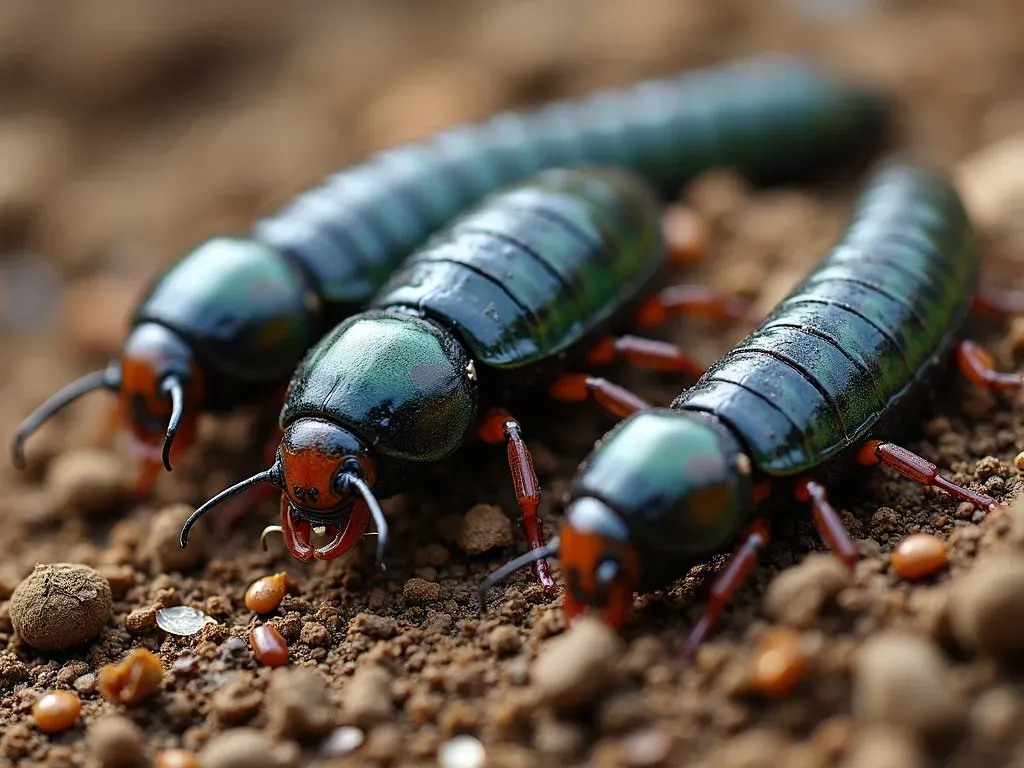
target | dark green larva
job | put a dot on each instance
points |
(820, 387)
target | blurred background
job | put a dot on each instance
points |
(130, 131)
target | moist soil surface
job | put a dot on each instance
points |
(130, 131)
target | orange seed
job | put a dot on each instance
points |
(56, 711)
(919, 555)
(779, 662)
(137, 676)
(176, 758)
(264, 595)
(268, 646)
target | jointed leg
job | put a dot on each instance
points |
(979, 367)
(729, 581)
(916, 468)
(579, 387)
(500, 426)
(691, 301)
(830, 525)
(643, 353)
(999, 302)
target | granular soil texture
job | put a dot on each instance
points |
(130, 131)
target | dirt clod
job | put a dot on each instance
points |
(248, 748)
(418, 591)
(575, 668)
(162, 546)
(114, 742)
(298, 704)
(903, 680)
(797, 595)
(87, 480)
(60, 606)
(485, 527)
(366, 700)
(986, 607)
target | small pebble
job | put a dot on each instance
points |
(176, 758)
(114, 741)
(686, 234)
(461, 752)
(367, 698)
(986, 606)
(88, 480)
(162, 547)
(182, 620)
(903, 680)
(779, 663)
(504, 640)
(315, 635)
(298, 703)
(884, 747)
(138, 676)
(575, 668)
(485, 527)
(646, 748)
(268, 646)
(60, 606)
(56, 711)
(342, 741)
(248, 748)
(797, 595)
(919, 555)
(264, 595)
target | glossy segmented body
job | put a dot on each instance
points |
(494, 305)
(227, 325)
(854, 342)
(818, 388)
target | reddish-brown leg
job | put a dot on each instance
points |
(979, 368)
(500, 426)
(916, 468)
(755, 538)
(999, 303)
(830, 525)
(579, 387)
(691, 301)
(643, 353)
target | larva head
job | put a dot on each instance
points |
(326, 475)
(665, 485)
(161, 390)
(159, 386)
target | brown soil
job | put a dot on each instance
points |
(129, 131)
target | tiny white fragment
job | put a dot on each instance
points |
(461, 752)
(182, 620)
(342, 741)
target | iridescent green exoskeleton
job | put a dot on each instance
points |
(851, 355)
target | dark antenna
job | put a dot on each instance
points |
(267, 476)
(548, 550)
(172, 385)
(108, 378)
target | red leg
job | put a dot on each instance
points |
(579, 387)
(998, 302)
(830, 525)
(691, 301)
(913, 466)
(686, 234)
(499, 426)
(643, 353)
(979, 367)
(755, 538)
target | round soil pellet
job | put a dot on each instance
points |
(56, 711)
(919, 555)
(60, 606)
